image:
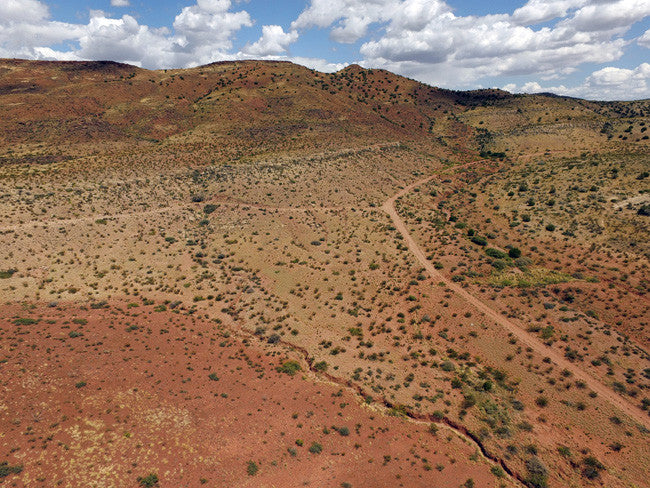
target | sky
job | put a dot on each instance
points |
(594, 49)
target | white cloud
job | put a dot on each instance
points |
(123, 39)
(538, 11)
(273, 41)
(202, 33)
(609, 83)
(119, 3)
(442, 48)
(12, 11)
(608, 16)
(315, 63)
(644, 40)
(531, 87)
(350, 19)
(25, 26)
(209, 25)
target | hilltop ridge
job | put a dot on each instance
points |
(83, 101)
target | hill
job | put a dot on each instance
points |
(341, 277)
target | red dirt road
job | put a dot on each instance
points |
(601, 389)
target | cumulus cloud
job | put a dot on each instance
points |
(273, 41)
(350, 19)
(644, 40)
(119, 3)
(201, 33)
(123, 39)
(608, 17)
(609, 83)
(426, 40)
(538, 11)
(25, 27)
(12, 11)
(496, 45)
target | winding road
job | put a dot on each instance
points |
(517, 331)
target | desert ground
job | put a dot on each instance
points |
(256, 274)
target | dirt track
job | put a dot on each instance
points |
(520, 333)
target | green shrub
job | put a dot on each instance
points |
(315, 448)
(523, 263)
(5, 274)
(209, 208)
(537, 473)
(499, 264)
(320, 366)
(148, 481)
(498, 471)
(591, 468)
(6, 470)
(479, 240)
(252, 468)
(514, 253)
(495, 253)
(289, 367)
(447, 366)
(25, 321)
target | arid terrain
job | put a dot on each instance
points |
(256, 274)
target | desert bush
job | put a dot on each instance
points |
(591, 468)
(289, 367)
(537, 473)
(479, 240)
(5, 274)
(252, 468)
(148, 481)
(320, 366)
(497, 471)
(447, 366)
(6, 470)
(495, 253)
(315, 448)
(499, 264)
(514, 252)
(209, 208)
(25, 321)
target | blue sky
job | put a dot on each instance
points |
(598, 49)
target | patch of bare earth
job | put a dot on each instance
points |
(100, 397)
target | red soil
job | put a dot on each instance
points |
(100, 397)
